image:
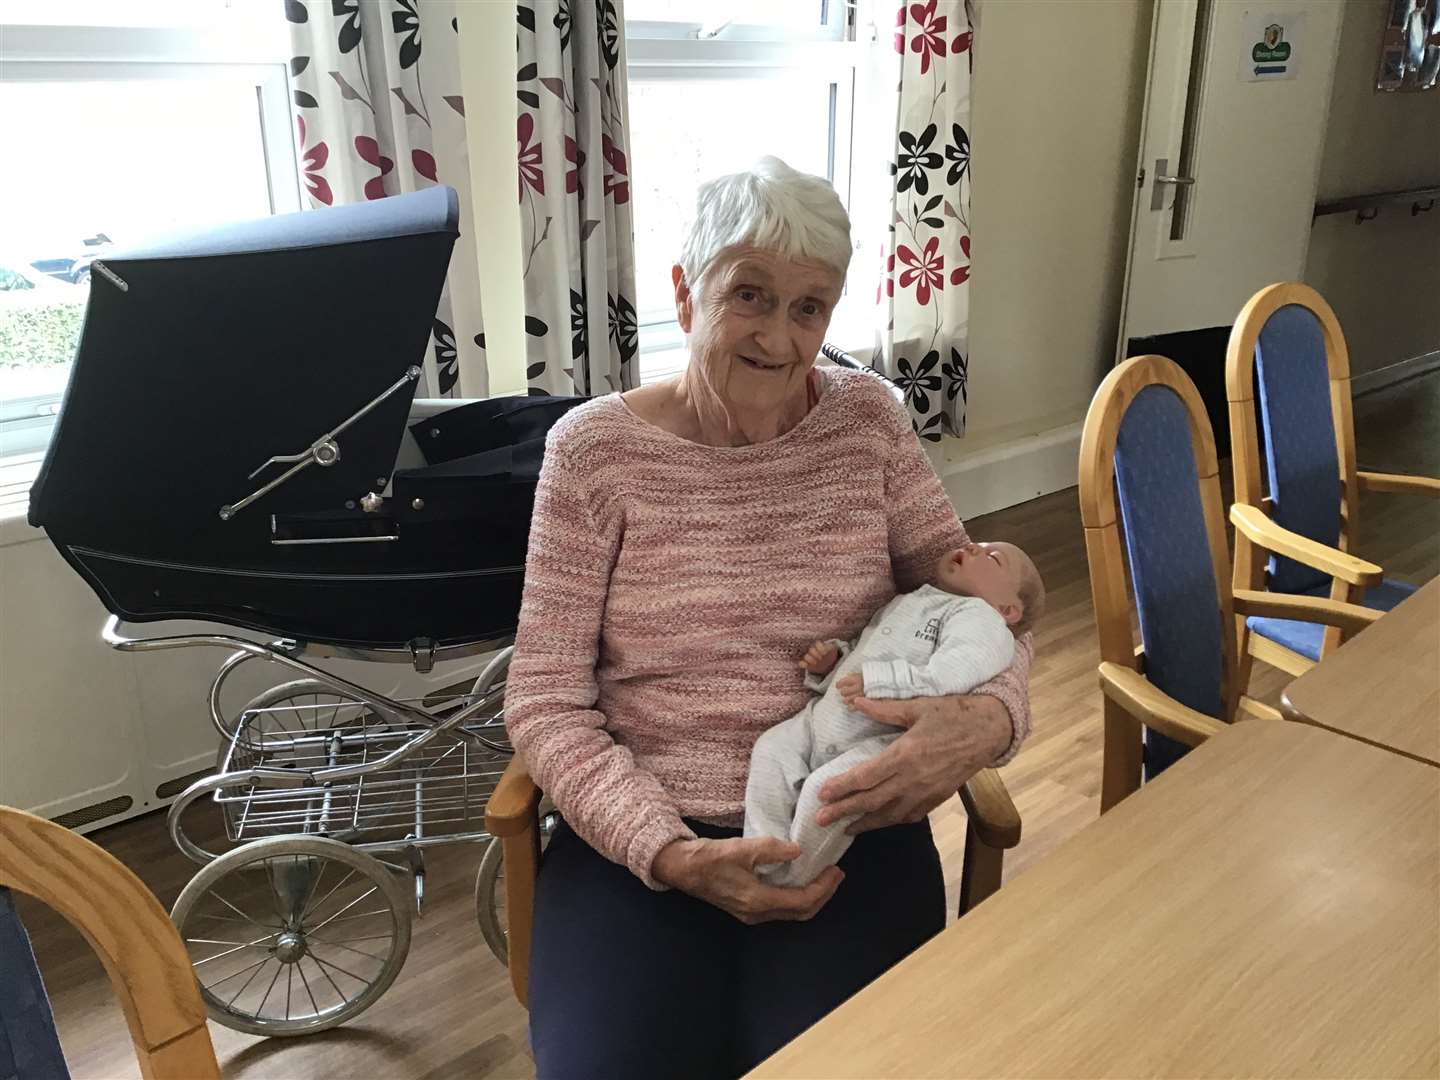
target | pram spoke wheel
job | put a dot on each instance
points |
(295, 709)
(291, 935)
(491, 730)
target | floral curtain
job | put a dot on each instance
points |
(379, 111)
(578, 245)
(924, 296)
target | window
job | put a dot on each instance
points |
(715, 84)
(14, 280)
(148, 118)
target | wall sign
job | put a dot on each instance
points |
(1272, 45)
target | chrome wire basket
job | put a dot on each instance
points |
(433, 795)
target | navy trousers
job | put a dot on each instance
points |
(628, 982)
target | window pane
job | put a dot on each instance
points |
(789, 13)
(685, 131)
(153, 13)
(97, 163)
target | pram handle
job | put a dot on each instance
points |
(841, 358)
(324, 451)
(394, 712)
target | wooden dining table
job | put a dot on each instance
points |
(1383, 685)
(1266, 907)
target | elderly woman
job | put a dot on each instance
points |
(690, 540)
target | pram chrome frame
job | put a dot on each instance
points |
(422, 725)
(384, 779)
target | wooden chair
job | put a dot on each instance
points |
(124, 923)
(1148, 467)
(513, 816)
(1288, 336)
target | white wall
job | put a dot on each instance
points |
(1382, 277)
(487, 62)
(1059, 86)
(1058, 91)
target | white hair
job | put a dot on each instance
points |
(770, 206)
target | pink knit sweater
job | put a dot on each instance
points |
(671, 588)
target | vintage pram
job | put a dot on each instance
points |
(240, 444)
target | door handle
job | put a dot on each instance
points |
(1157, 189)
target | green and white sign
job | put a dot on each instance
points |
(1272, 45)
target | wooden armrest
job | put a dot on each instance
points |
(124, 923)
(1395, 482)
(1251, 521)
(514, 807)
(1257, 710)
(991, 810)
(1352, 618)
(513, 815)
(1154, 708)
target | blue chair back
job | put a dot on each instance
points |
(1302, 463)
(1157, 487)
(29, 1045)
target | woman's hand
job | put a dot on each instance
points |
(722, 873)
(949, 740)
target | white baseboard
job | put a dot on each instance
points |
(1393, 373)
(1013, 472)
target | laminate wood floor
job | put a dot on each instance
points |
(450, 1014)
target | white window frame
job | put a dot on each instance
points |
(677, 50)
(245, 53)
(830, 27)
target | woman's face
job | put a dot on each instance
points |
(757, 323)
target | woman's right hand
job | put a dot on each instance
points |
(722, 873)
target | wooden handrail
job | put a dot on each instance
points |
(1376, 199)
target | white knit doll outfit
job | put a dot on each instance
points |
(926, 643)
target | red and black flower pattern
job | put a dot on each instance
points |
(929, 243)
(929, 39)
(369, 151)
(925, 271)
(531, 156)
(617, 180)
(312, 160)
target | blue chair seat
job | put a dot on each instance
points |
(1305, 638)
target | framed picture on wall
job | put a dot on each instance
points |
(1410, 46)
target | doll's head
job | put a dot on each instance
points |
(1000, 574)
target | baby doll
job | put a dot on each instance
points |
(945, 638)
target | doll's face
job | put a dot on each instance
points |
(991, 572)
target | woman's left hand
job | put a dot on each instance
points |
(949, 740)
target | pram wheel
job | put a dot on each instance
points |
(490, 730)
(293, 934)
(490, 906)
(295, 709)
